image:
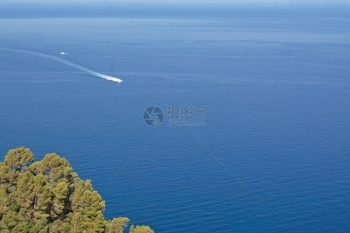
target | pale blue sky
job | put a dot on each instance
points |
(57, 8)
(303, 2)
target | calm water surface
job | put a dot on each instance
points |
(273, 156)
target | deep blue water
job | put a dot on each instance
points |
(273, 155)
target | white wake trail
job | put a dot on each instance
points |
(68, 63)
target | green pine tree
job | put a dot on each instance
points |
(48, 197)
(140, 229)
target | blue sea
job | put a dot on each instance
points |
(271, 153)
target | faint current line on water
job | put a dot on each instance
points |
(68, 63)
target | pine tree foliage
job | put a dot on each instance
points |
(48, 197)
(141, 229)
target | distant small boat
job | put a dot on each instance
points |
(63, 53)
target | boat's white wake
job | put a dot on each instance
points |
(68, 63)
